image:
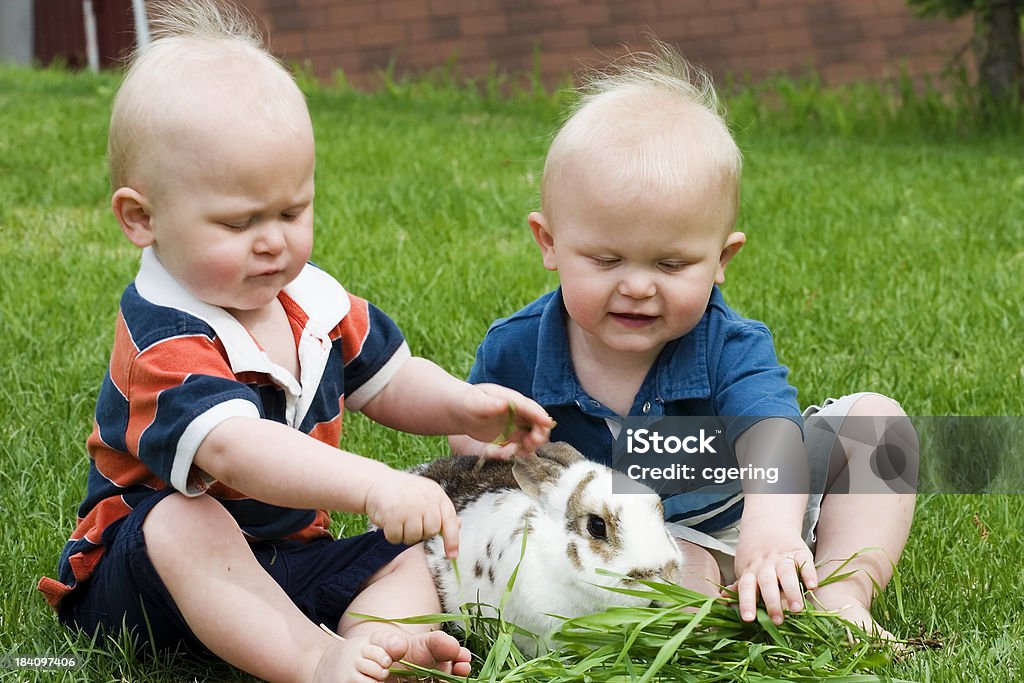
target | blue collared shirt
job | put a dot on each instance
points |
(725, 367)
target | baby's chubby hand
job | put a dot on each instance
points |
(767, 560)
(409, 509)
(496, 413)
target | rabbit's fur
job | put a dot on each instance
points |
(574, 526)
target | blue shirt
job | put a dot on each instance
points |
(726, 367)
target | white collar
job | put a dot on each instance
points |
(318, 294)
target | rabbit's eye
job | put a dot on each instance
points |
(596, 527)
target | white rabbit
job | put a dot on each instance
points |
(574, 523)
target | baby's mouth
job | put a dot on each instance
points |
(633, 319)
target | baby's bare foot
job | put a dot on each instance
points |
(361, 659)
(438, 650)
(851, 609)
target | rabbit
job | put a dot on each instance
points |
(574, 525)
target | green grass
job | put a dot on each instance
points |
(885, 252)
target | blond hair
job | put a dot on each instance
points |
(196, 44)
(652, 118)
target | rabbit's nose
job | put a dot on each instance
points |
(646, 574)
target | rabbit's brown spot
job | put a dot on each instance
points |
(646, 574)
(573, 553)
(525, 528)
(478, 569)
(490, 573)
(487, 550)
(671, 570)
(574, 507)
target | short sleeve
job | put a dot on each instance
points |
(179, 389)
(373, 348)
(478, 373)
(749, 383)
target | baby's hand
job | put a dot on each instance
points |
(410, 509)
(765, 560)
(515, 423)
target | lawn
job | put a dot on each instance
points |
(885, 250)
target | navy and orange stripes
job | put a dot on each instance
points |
(169, 368)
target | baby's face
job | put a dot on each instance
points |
(637, 267)
(232, 218)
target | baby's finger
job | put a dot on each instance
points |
(529, 413)
(450, 526)
(747, 589)
(768, 583)
(809, 573)
(412, 530)
(790, 582)
(431, 523)
(393, 531)
(493, 451)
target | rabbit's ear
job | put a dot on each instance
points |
(561, 452)
(532, 473)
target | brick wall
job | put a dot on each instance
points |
(843, 40)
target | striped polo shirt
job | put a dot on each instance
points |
(180, 367)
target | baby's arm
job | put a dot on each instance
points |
(424, 399)
(771, 551)
(279, 465)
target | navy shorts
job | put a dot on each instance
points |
(125, 594)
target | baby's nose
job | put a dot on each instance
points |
(270, 240)
(637, 285)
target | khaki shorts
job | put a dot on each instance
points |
(819, 443)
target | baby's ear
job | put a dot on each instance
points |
(542, 234)
(132, 212)
(733, 243)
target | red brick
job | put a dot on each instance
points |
(620, 11)
(873, 50)
(314, 3)
(739, 36)
(760, 20)
(377, 35)
(866, 10)
(475, 25)
(586, 15)
(352, 14)
(788, 39)
(711, 26)
(556, 40)
(434, 28)
(523, 22)
(293, 20)
(465, 6)
(402, 10)
(838, 74)
(889, 28)
(330, 39)
(743, 44)
(286, 44)
(684, 8)
(734, 7)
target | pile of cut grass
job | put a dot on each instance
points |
(682, 636)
